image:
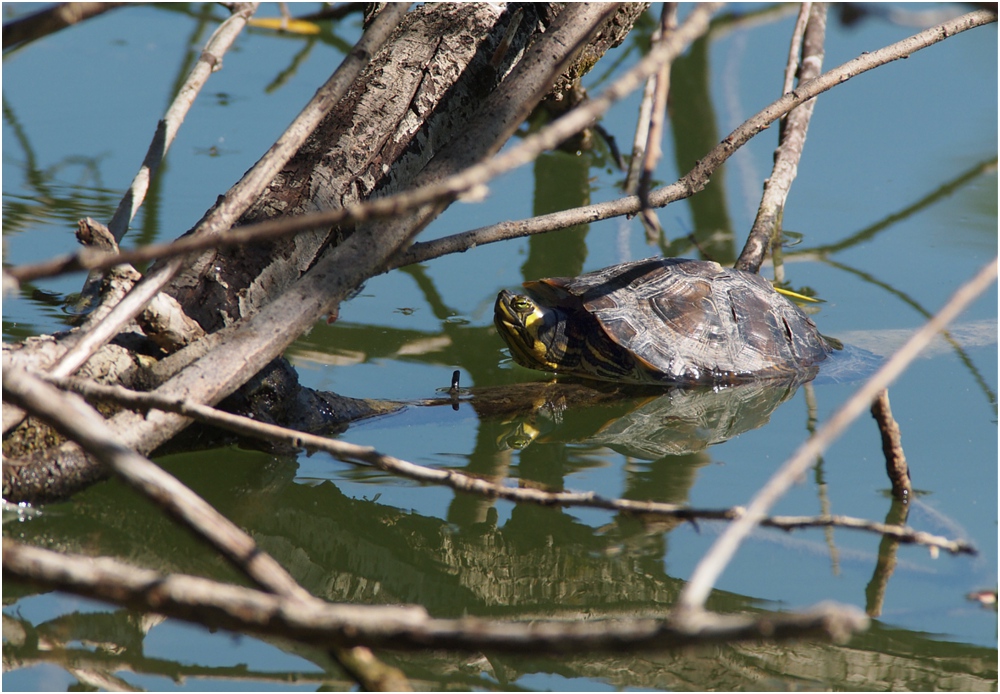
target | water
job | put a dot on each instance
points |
(896, 202)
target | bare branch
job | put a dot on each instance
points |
(657, 115)
(698, 177)
(795, 49)
(75, 419)
(399, 627)
(692, 182)
(51, 20)
(694, 594)
(445, 189)
(367, 456)
(257, 339)
(241, 195)
(792, 141)
(892, 447)
(209, 61)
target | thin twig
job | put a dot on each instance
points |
(641, 136)
(370, 457)
(795, 48)
(658, 114)
(208, 62)
(314, 621)
(892, 448)
(694, 594)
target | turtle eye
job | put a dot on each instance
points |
(522, 304)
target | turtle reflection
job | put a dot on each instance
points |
(644, 423)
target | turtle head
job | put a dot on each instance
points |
(534, 333)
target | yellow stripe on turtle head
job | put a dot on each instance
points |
(519, 320)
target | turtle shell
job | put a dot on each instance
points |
(688, 321)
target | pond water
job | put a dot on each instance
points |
(896, 205)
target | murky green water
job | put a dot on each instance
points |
(896, 202)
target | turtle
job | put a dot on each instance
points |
(671, 321)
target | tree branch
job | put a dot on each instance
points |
(446, 188)
(75, 419)
(51, 20)
(695, 592)
(794, 127)
(460, 482)
(404, 627)
(892, 448)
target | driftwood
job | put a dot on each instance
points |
(305, 276)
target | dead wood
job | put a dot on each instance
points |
(51, 20)
(766, 228)
(402, 626)
(447, 109)
(892, 447)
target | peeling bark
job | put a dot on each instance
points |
(420, 96)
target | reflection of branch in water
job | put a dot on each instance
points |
(875, 591)
(431, 295)
(713, 563)
(365, 455)
(88, 665)
(869, 232)
(314, 621)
